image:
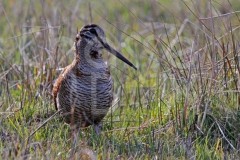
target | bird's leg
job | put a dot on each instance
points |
(97, 128)
(75, 134)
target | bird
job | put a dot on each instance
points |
(83, 92)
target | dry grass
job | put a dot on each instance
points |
(182, 103)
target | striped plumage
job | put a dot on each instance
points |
(84, 89)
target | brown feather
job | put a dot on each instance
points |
(58, 83)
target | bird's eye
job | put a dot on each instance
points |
(93, 31)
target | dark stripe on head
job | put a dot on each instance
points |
(90, 25)
(91, 30)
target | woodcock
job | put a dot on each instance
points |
(84, 90)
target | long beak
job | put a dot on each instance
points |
(118, 55)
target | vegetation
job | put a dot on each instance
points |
(182, 103)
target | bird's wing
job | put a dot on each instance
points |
(58, 84)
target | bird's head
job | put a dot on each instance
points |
(91, 40)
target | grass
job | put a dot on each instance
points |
(182, 103)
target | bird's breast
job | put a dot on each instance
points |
(92, 91)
